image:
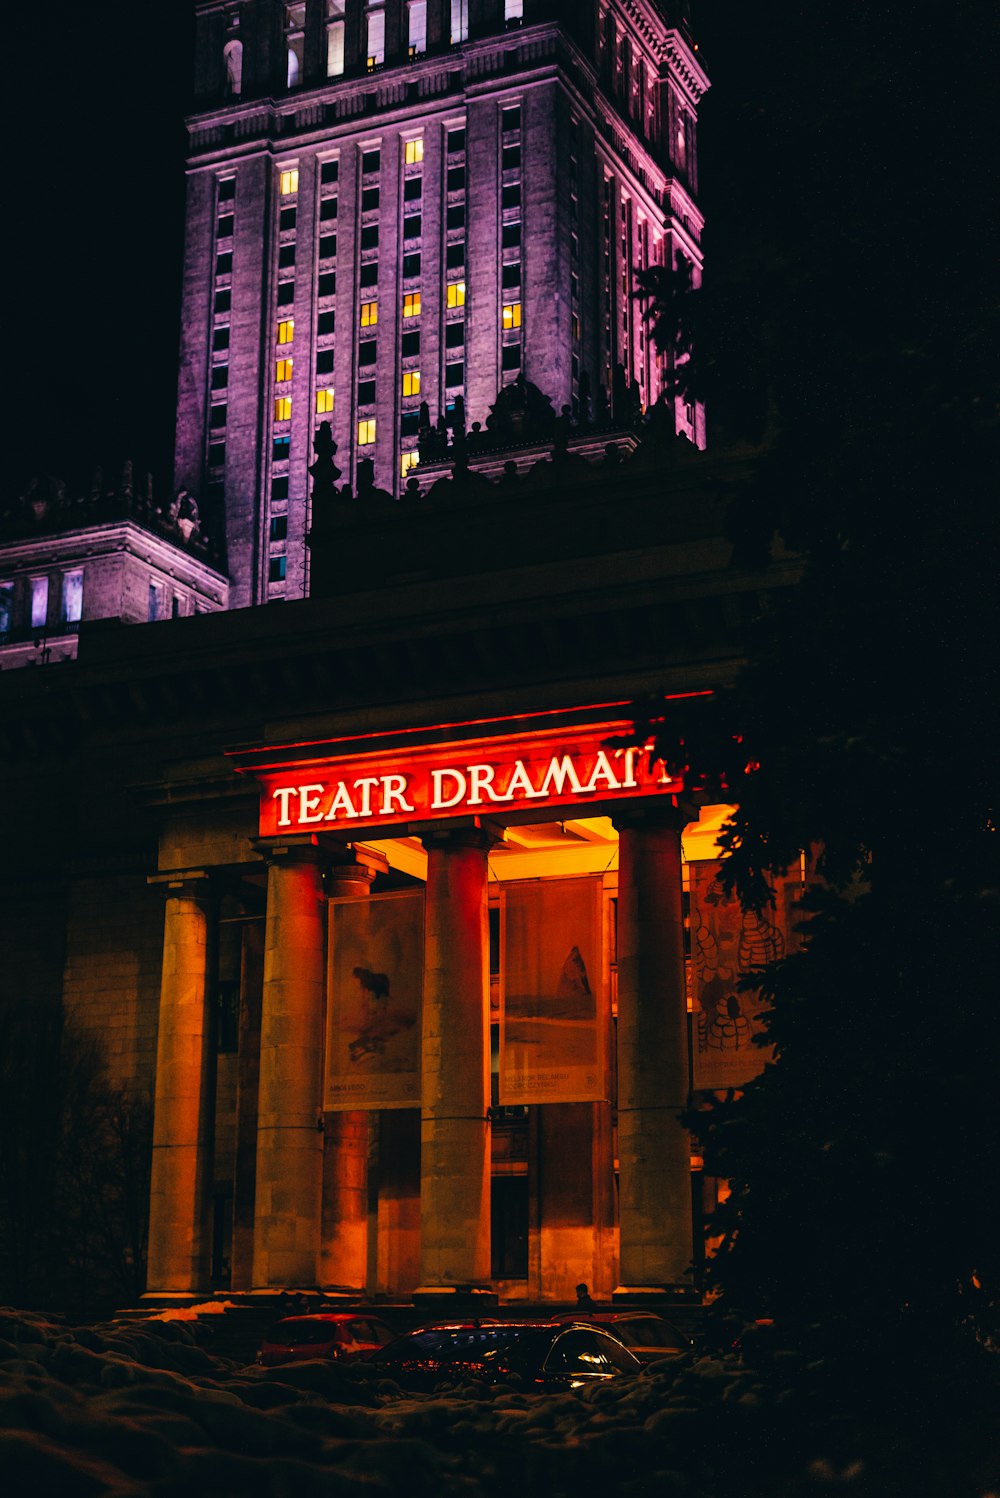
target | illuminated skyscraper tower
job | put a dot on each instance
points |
(407, 202)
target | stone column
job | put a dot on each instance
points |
(183, 1116)
(344, 1247)
(653, 1148)
(454, 1132)
(288, 1198)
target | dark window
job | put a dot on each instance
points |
(220, 338)
(511, 158)
(227, 189)
(327, 283)
(216, 454)
(286, 219)
(411, 226)
(223, 301)
(370, 161)
(412, 188)
(326, 323)
(327, 246)
(324, 361)
(510, 236)
(369, 200)
(409, 423)
(510, 119)
(511, 274)
(369, 237)
(224, 264)
(456, 178)
(279, 490)
(510, 197)
(224, 229)
(511, 356)
(509, 1227)
(456, 217)
(455, 255)
(454, 374)
(411, 345)
(286, 293)
(328, 209)
(280, 448)
(276, 569)
(369, 274)
(286, 256)
(329, 171)
(227, 1013)
(454, 334)
(220, 376)
(217, 417)
(411, 266)
(279, 523)
(366, 352)
(456, 141)
(366, 393)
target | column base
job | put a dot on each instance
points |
(453, 1299)
(678, 1294)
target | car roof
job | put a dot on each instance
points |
(334, 1317)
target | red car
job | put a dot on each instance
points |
(325, 1334)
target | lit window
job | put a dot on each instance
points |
(456, 294)
(369, 314)
(289, 181)
(513, 10)
(375, 51)
(512, 315)
(411, 304)
(6, 608)
(335, 38)
(72, 596)
(39, 602)
(286, 330)
(459, 21)
(324, 402)
(366, 432)
(416, 32)
(408, 461)
(413, 151)
(283, 371)
(411, 382)
(283, 408)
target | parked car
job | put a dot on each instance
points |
(536, 1355)
(648, 1336)
(323, 1334)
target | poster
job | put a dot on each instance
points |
(727, 942)
(553, 1017)
(374, 983)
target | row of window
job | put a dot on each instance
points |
(69, 593)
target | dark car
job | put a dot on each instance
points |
(647, 1335)
(535, 1355)
(325, 1334)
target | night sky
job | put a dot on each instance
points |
(99, 194)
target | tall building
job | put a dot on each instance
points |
(411, 203)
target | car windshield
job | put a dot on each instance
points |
(646, 1331)
(442, 1345)
(301, 1333)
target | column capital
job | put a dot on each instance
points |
(460, 832)
(299, 847)
(194, 884)
(669, 813)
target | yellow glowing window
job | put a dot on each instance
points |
(324, 402)
(283, 408)
(286, 330)
(369, 314)
(456, 294)
(411, 304)
(413, 152)
(512, 315)
(366, 432)
(408, 461)
(411, 382)
(290, 181)
(283, 371)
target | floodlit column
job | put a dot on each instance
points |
(288, 1200)
(454, 1133)
(653, 1148)
(184, 1100)
(344, 1250)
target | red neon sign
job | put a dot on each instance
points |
(569, 767)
